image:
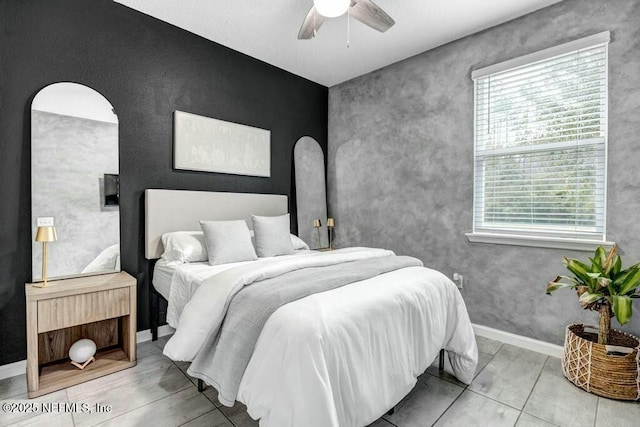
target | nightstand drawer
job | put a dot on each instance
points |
(63, 312)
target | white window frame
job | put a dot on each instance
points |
(533, 239)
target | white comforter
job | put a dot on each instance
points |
(342, 357)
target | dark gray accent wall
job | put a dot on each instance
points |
(147, 69)
(400, 164)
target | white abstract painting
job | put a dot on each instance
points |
(212, 145)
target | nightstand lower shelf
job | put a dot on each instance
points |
(63, 374)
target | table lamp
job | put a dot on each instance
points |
(317, 224)
(330, 224)
(45, 235)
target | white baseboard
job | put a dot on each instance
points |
(13, 369)
(143, 336)
(518, 340)
(18, 368)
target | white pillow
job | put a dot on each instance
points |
(272, 235)
(184, 246)
(227, 241)
(298, 243)
(107, 260)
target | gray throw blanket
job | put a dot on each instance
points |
(224, 357)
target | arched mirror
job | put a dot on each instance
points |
(75, 181)
(311, 195)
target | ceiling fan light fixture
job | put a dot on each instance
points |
(331, 8)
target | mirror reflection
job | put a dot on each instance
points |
(74, 180)
(311, 194)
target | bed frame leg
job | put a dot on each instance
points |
(200, 385)
(155, 315)
(441, 361)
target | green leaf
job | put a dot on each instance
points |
(600, 257)
(573, 280)
(588, 298)
(551, 286)
(556, 284)
(595, 268)
(578, 263)
(631, 282)
(621, 277)
(622, 308)
(617, 266)
(611, 289)
(579, 269)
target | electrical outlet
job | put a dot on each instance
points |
(459, 279)
(44, 221)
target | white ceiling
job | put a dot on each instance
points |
(268, 29)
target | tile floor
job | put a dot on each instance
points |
(512, 387)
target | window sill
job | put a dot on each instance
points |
(537, 241)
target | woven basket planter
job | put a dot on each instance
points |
(588, 365)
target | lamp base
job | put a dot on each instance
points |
(45, 253)
(42, 285)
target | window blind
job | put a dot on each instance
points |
(541, 147)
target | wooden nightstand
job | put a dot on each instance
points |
(101, 308)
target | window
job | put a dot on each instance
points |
(541, 147)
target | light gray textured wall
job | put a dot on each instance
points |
(400, 164)
(311, 191)
(69, 156)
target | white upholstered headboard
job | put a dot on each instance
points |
(181, 210)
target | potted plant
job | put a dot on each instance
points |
(609, 365)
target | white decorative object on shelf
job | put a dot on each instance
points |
(81, 353)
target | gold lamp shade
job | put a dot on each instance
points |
(331, 223)
(45, 234)
(317, 223)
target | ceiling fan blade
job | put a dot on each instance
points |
(371, 14)
(312, 21)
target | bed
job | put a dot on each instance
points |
(307, 338)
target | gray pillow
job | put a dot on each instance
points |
(227, 241)
(272, 235)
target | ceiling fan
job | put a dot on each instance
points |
(364, 11)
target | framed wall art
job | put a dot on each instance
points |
(211, 145)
